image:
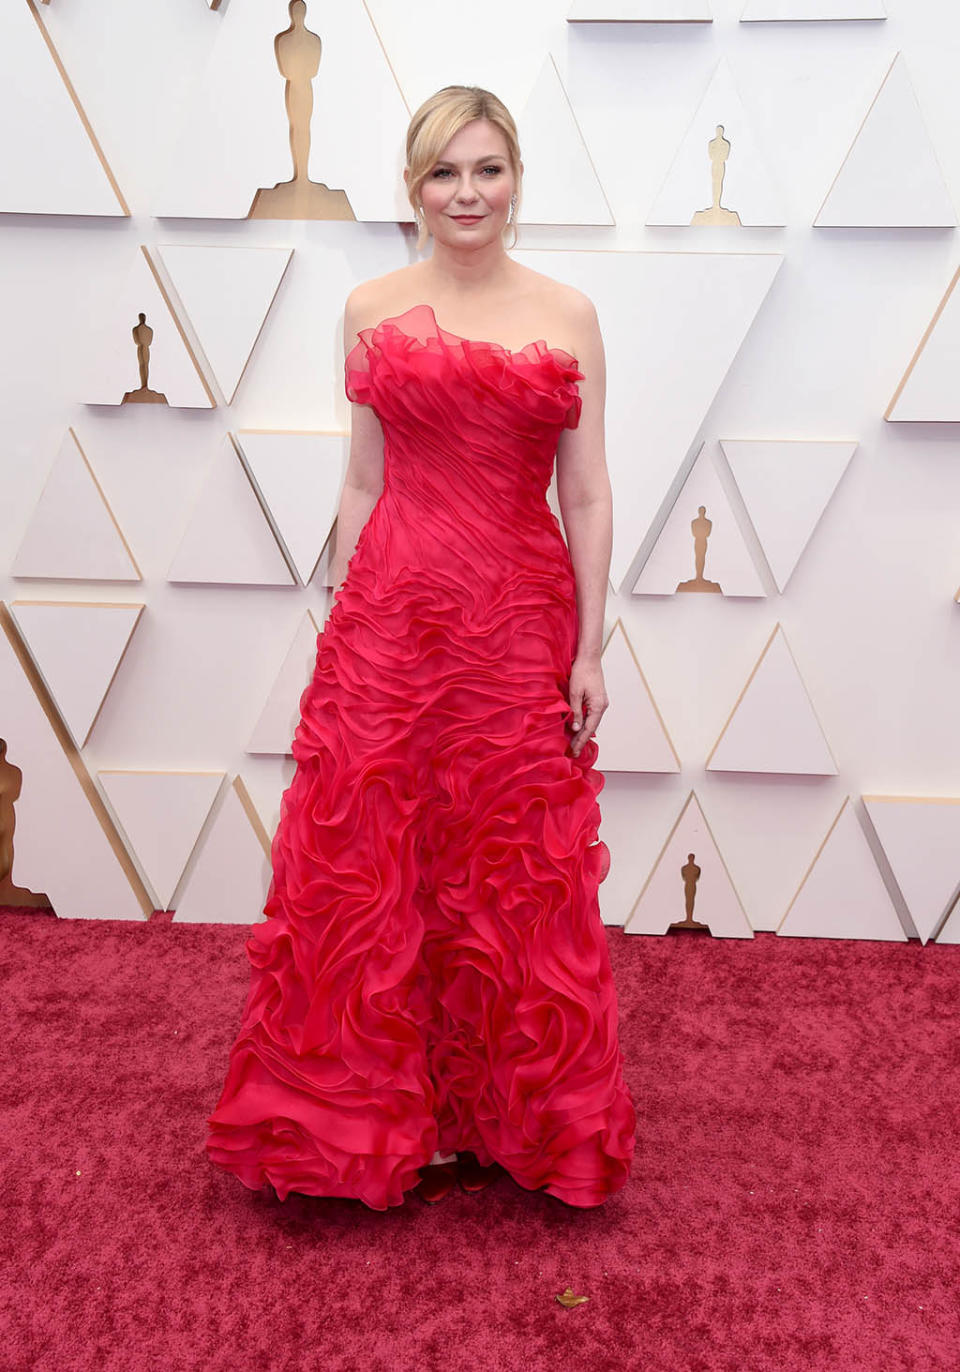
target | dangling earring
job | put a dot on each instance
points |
(513, 206)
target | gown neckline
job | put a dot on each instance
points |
(476, 342)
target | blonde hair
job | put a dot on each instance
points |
(441, 116)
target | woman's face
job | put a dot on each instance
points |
(466, 193)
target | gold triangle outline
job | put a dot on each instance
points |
(21, 576)
(173, 293)
(646, 685)
(659, 858)
(778, 627)
(87, 126)
(583, 142)
(236, 438)
(136, 605)
(171, 771)
(916, 357)
(72, 754)
(898, 56)
(294, 582)
(816, 859)
(191, 353)
(252, 813)
(852, 443)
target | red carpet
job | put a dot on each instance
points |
(794, 1201)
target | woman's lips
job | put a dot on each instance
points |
(467, 218)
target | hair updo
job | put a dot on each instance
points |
(437, 120)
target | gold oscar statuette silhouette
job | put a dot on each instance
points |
(143, 337)
(719, 150)
(11, 782)
(691, 875)
(298, 57)
(700, 528)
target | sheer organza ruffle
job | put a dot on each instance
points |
(433, 972)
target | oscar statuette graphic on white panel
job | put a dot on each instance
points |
(50, 159)
(689, 886)
(700, 549)
(842, 894)
(138, 352)
(77, 648)
(631, 736)
(920, 836)
(228, 541)
(298, 477)
(786, 485)
(720, 176)
(793, 11)
(228, 879)
(226, 294)
(277, 724)
(278, 128)
(161, 815)
(929, 391)
(773, 727)
(657, 395)
(62, 844)
(639, 12)
(890, 178)
(73, 534)
(562, 186)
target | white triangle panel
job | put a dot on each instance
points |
(161, 814)
(111, 368)
(631, 736)
(561, 186)
(228, 540)
(639, 12)
(230, 876)
(929, 390)
(786, 486)
(749, 187)
(890, 178)
(50, 162)
(77, 649)
(280, 716)
(921, 838)
(772, 727)
(226, 294)
(72, 534)
(298, 477)
(663, 899)
(711, 299)
(672, 562)
(843, 894)
(235, 138)
(780, 10)
(59, 845)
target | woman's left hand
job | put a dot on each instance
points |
(588, 700)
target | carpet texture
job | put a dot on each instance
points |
(794, 1201)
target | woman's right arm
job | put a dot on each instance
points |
(363, 482)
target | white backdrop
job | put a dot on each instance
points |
(777, 330)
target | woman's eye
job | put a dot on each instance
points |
(495, 170)
(441, 171)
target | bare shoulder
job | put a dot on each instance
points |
(568, 312)
(371, 301)
(558, 296)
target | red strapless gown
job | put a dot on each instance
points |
(433, 971)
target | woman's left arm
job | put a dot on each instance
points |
(586, 504)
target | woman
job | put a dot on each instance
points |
(432, 981)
